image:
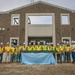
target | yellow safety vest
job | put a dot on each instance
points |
(16, 51)
(38, 48)
(7, 49)
(44, 48)
(61, 48)
(67, 48)
(73, 46)
(49, 48)
(23, 48)
(1, 50)
(29, 48)
(34, 48)
(58, 50)
(53, 48)
(12, 50)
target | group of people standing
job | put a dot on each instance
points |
(13, 53)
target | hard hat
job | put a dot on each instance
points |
(34, 43)
(57, 43)
(8, 43)
(24, 43)
(1, 43)
(29, 43)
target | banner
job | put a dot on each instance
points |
(37, 58)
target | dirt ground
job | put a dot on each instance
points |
(20, 69)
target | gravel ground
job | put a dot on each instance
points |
(19, 69)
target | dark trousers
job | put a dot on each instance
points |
(12, 58)
(58, 56)
(68, 56)
(16, 57)
(1, 57)
(64, 56)
(73, 56)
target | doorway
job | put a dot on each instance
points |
(40, 39)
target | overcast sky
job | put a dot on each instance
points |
(6, 5)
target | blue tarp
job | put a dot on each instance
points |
(37, 58)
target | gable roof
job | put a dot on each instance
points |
(37, 3)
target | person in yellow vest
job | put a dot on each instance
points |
(38, 47)
(58, 52)
(23, 48)
(68, 52)
(12, 53)
(1, 51)
(30, 48)
(6, 54)
(53, 49)
(49, 47)
(16, 54)
(19, 49)
(34, 47)
(62, 49)
(73, 50)
(44, 47)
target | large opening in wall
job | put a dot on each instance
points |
(40, 27)
(40, 39)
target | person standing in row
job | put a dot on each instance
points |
(16, 54)
(49, 47)
(1, 51)
(44, 47)
(58, 52)
(6, 53)
(73, 51)
(34, 47)
(67, 52)
(23, 48)
(12, 53)
(38, 47)
(62, 50)
(30, 47)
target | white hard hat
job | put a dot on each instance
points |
(52, 43)
(64, 42)
(57, 43)
(29, 43)
(49, 43)
(8, 43)
(72, 41)
(34, 43)
(67, 42)
(44, 42)
(17, 44)
(1, 43)
(24, 43)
